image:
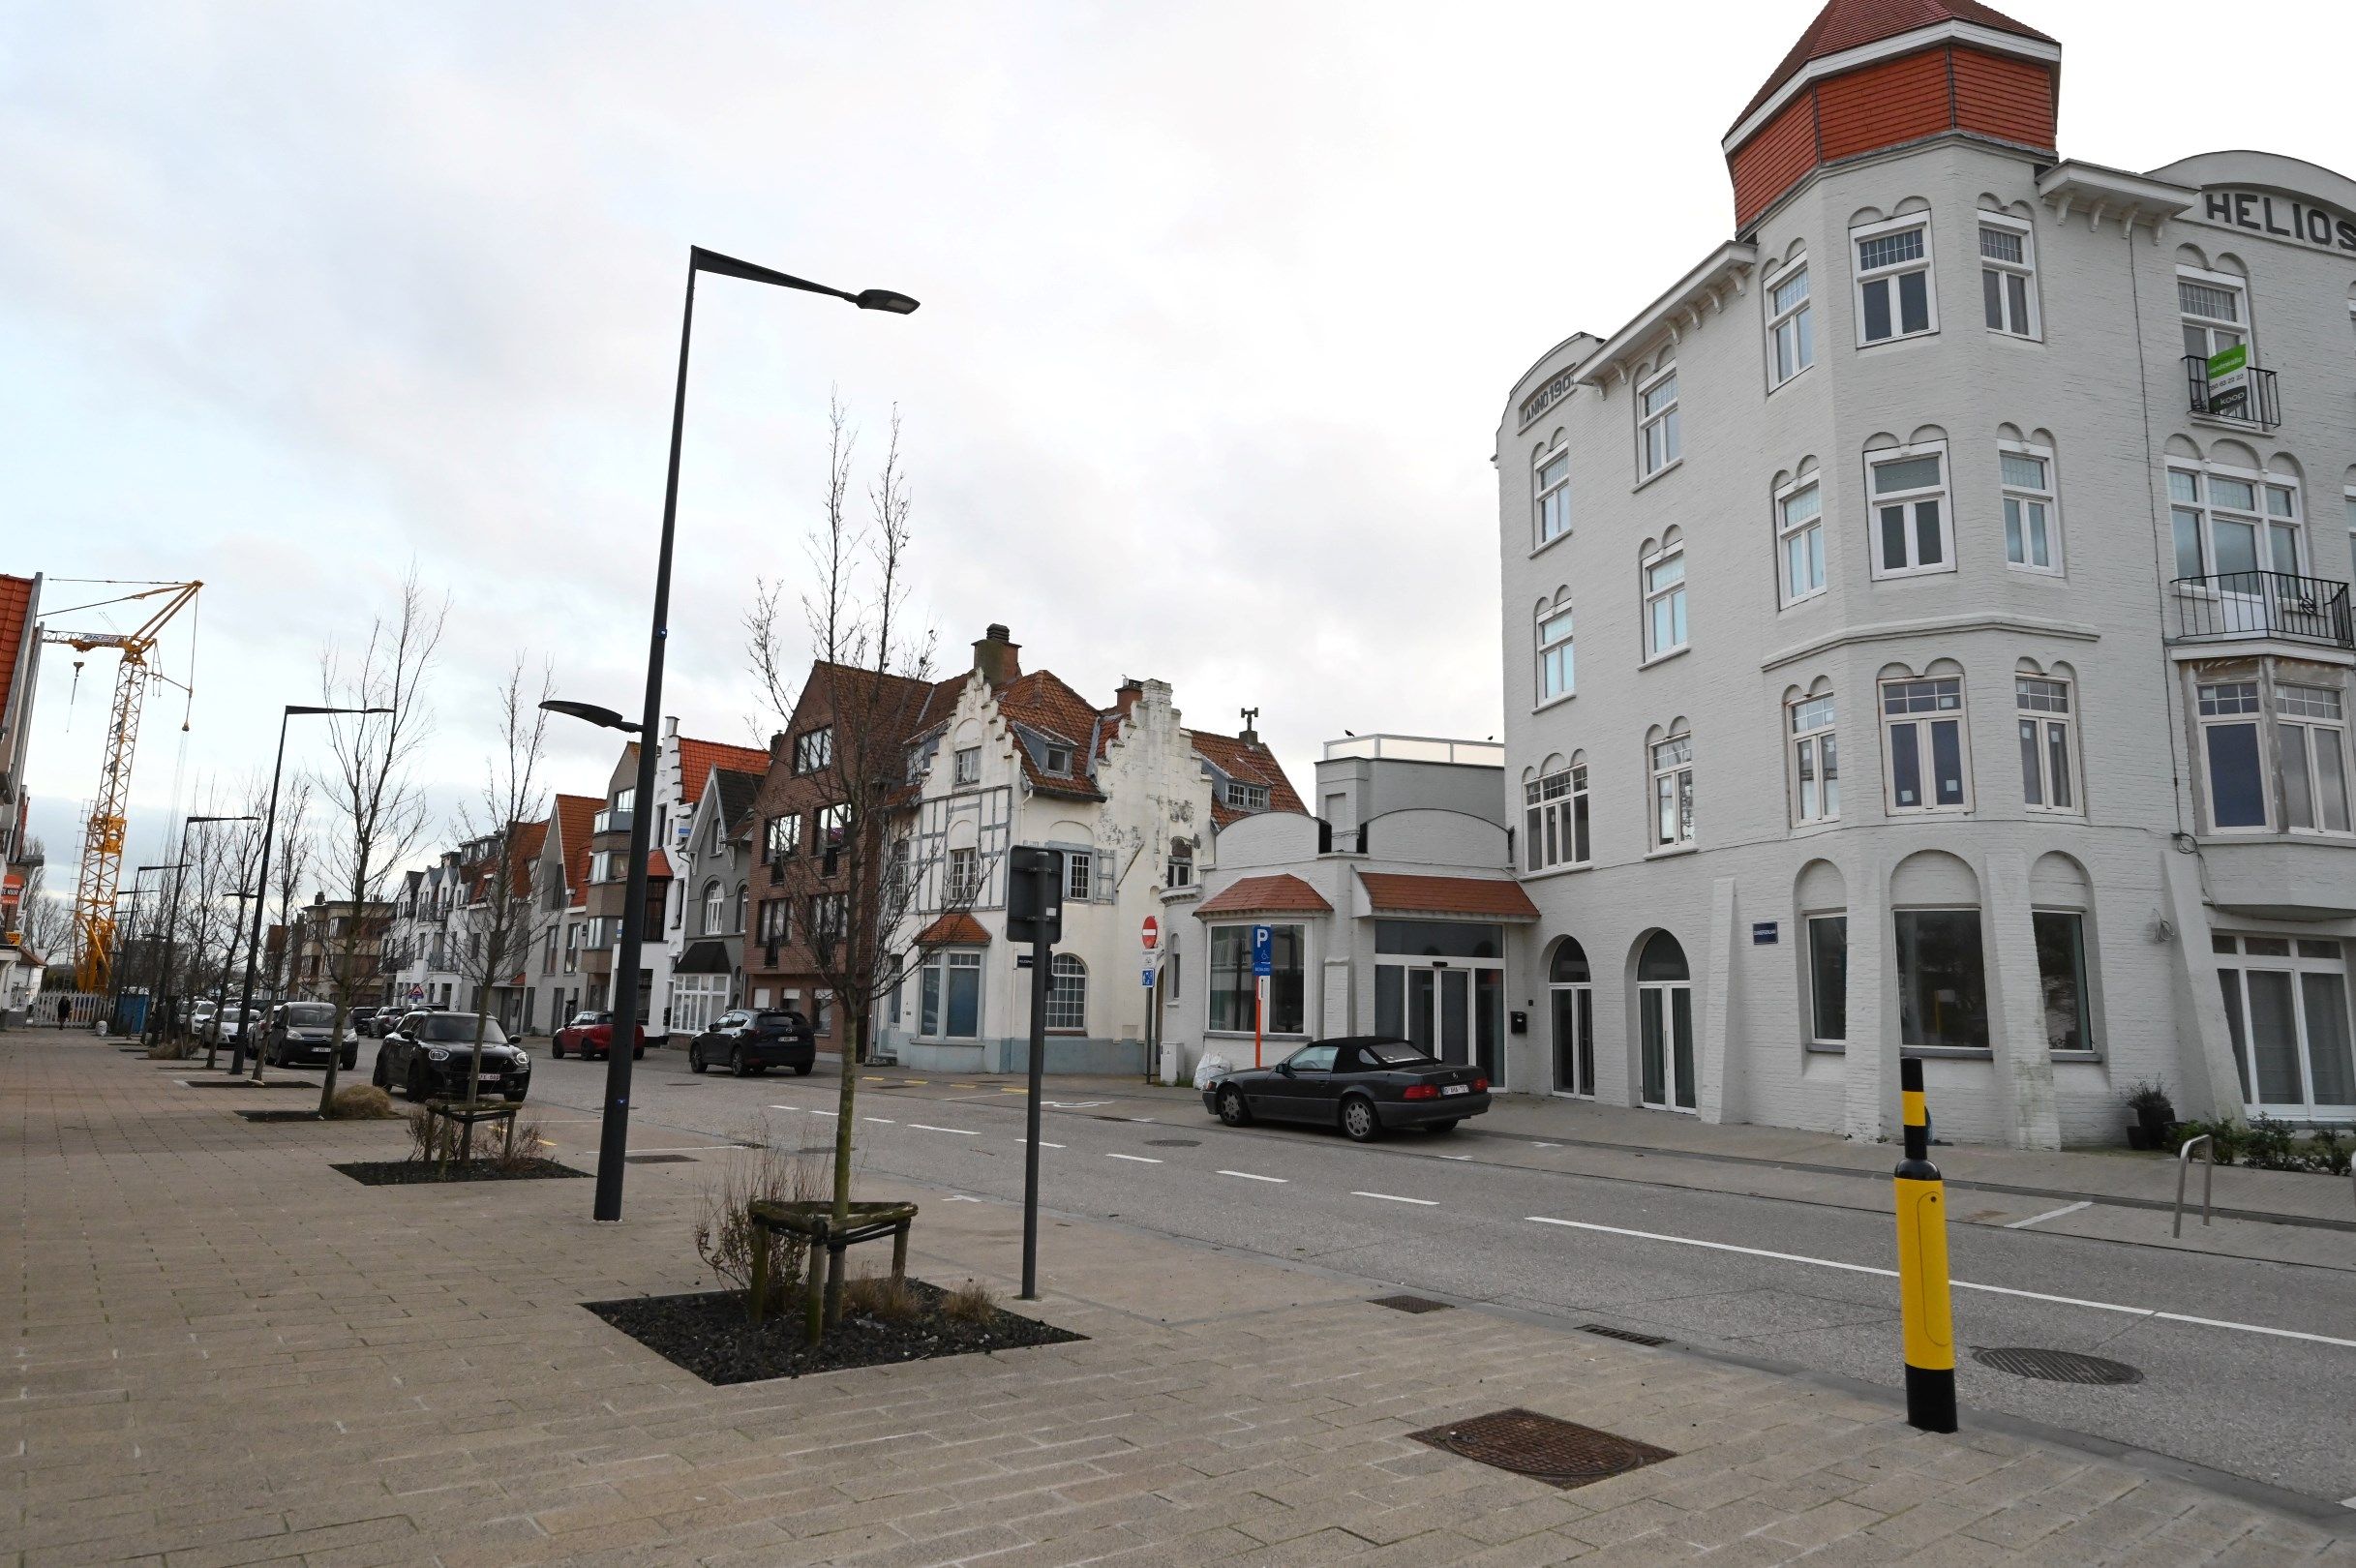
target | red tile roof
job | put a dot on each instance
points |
(1848, 24)
(1254, 764)
(530, 838)
(1278, 894)
(958, 930)
(658, 866)
(572, 816)
(1490, 897)
(1041, 701)
(698, 758)
(16, 608)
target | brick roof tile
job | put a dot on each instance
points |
(1278, 894)
(1396, 894)
(1848, 24)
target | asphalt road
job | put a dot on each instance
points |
(2248, 1367)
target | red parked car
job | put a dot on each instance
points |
(592, 1034)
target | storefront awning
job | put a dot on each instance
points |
(1484, 898)
(704, 957)
(1264, 896)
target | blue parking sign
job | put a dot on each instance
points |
(1263, 951)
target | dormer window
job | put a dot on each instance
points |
(813, 749)
(1242, 796)
(1058, 760)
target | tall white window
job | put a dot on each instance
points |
(1925, 745)
(2008, 276)
(1555, 671)
(1659, 441)
(1816, 762)
(1911, 528)
(2349, 500)
(2211, 306)
(2231, 719)
(1791, 326)
(1551, 488)
(1079, 875)
(1800, 542)
(1665, 600)
(2283, 552)
(2312, 733)
(1895, 298)
(1673, 792)
(2048, 743)
(715, 907)
(1555, 819)
(1068, 994)
(964, 884)
(967, 765)
(2032, 522)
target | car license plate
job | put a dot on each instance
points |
(1456, 1088)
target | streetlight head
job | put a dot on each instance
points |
(300, 707)
(226, 818)
(603, 717)
(883, 300)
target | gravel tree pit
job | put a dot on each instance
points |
(427, 1174)
(707, 1333)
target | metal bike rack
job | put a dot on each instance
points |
(2208, 1178)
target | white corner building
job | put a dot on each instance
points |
(1927, 625)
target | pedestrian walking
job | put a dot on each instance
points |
(65, 1006)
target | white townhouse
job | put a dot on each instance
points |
(1927, 624)
(713, 872)
(1134, 800)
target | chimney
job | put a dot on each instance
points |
(777, 746)
(996, 658)
(1249, 736)
(670, 725)
(1125, 697)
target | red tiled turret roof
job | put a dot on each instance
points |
(1849, 24)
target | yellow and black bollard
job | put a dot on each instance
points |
(1922, 1288)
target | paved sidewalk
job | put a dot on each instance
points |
(226, 1353)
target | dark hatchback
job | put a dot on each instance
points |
(756, 1040)
(428, 1056)
(303, 1033)
(1364, 1084)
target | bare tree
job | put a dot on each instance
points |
(375, 809)
(504, 912)
(290, 866)
(870, 675)
(48, 922)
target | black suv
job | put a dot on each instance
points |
(427, 1055)
(754, 1040)
(301, 1034)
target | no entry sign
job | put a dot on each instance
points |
(1151, 933)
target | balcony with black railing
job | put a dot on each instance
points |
(2253, 606)
(2245, 395)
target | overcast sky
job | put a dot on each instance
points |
(1221, 303)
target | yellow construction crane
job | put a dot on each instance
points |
(102, 865)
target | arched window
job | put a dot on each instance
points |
(1663, 960)
(713, 909)
(1551, 492)
(738, 925)
(1664, 1020)
(1181, 872)
(1068, 995)
(1572, 1001)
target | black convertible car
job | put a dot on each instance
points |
(1364, 1084)
(429, 1055)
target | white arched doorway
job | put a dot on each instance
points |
(1571, 1002)
(1664, 1018)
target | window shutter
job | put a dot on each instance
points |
(1104, 877)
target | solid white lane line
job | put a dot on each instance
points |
(815, 1111)
(2050, 1213)
(885, 1120)
(1456, 1157)
(1045, 1144)
(2147, 1313)
(1393, 1197)
(927, 1126)
(687, 1148)
(1250, 1177)
(785, 1107)
(1136, 1160)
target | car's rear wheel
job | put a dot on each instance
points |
(1359, 1119)
(378, 1077)
(1231, 1108)
(736, 1060)
(556, 1048)
(695, 1060)
(804, 1070)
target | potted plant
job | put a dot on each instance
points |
(2152, 1114)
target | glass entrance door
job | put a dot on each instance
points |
(1572, 1003)
(2286, 1010)
(1664, 1016)
(1454, 1012)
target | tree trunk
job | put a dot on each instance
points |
(855, 1022)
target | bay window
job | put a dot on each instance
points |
(1550, 490)
(1816, 772)
(2008, 276)
(2235, 763)
(1911, 533)
(949, 995)
(1800, 542)
(1942, 979)
(1673, 792)
(2211, 307)
(2060, 972)
(1827, 997)
(1664, 574)
(1232, 982)
(1791, 325)
(1925, 745)
(1557, 668)
(2313, 737)
(1555, 819)
(1660, 441)
(1893, 281)
(2048, 746)
(2032, 533)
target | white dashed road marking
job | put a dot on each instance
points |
(1250, 1177)
(927, 1126)
(2049, 1213)
(1393, 1197)
(1138, 1160)
(885, 1120)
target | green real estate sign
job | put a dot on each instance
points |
(2228, 391)
(2226, 361)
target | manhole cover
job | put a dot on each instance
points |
(1629, 1335)
(2056, 1365)
(1173, 1143)
(1410, 1304)
(279, 1115)
(1560, 1453)
(658, 1159)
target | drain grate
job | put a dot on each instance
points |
(658, 1159)
(1173, 1143)
(2056, 1365)
(1629, 1335)
(1410, 1304)
(1560, 1453)
(279, 1115)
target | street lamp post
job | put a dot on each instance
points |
(262, 877)
(228, 963)
(614, 1135)
(122, 968)
(172, 922)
